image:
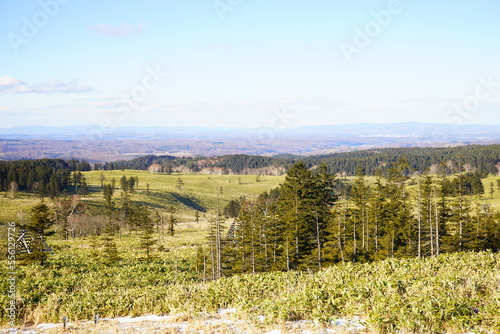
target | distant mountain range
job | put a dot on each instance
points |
(412, 129)
(106, 144)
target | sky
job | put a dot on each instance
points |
(248, 63)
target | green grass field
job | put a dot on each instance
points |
(199, 192)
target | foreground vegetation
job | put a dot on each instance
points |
(452, 293)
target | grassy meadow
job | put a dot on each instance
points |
(198, 192)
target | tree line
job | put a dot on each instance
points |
(46, 177)
(484, 158)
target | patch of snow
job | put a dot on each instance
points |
(355, 324)
(50, 326)
(140, 319)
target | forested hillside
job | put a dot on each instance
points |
(45, 176)
(449, 160)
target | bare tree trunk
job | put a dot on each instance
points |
(218, 240)
(318, 240)
(431, 229)
(340, 242)
(419, 220)
(437, 224)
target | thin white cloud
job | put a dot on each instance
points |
(117, 31)
(11, 85)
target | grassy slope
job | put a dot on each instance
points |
(198, 192)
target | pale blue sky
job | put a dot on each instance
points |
(248, 63)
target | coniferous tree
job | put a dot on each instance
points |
(461, 223)
(172, 221)
(324, 197)
(41, 219)
(232, 209)
(83, 191)
(180, 183)
(399, 240)
(108, 192)
(215, 239)
(378, 215)
(110, 251)
(427, 227)
(335, 248)
(360, 196)
(303, 209)
(443, 212)
(102, 178)
(146, 226)
(131, 184)
(124, 183)
(296, 216)
(77, 180)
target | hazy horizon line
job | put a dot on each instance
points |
(240, 127)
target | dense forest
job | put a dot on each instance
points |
(447, 160)
(45, 176)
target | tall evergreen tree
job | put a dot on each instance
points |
(360, 196)
(41, 219)
(172, 221)
(124, 183)
(460, 231)
(110, 251)
(146, 226)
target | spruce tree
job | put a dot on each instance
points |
(172, 221)
(460, 231)
(110, 251)
(297, 215)
(360, 196)
(41, 219)
(83, 191)
(124, 183)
